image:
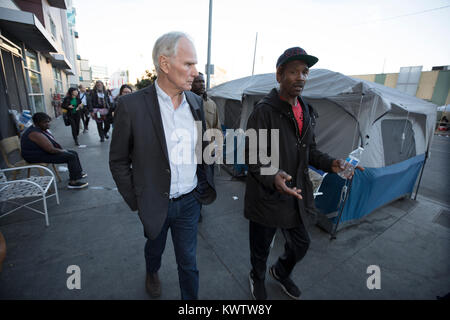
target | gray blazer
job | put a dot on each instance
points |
(139, 161)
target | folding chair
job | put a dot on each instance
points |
(32, 187)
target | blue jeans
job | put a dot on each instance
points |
(182, 219)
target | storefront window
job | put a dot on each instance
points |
(15, 79)
(58, 81)
(35, 93)
(35, 82)
(38, 103)
(32, 62)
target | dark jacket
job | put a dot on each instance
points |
(66, 103)
(263, 203)
(93, 102)
(139, 160)
(112, 109)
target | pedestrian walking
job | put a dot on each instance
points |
(283, 198)
(209, 109)
(209, 106)
(84, 97)
(74, 107)
(151, 124)
(124, 89)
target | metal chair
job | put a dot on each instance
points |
(11, 146)
(32, 187)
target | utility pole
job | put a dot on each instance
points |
(208, 64)
(254, 54)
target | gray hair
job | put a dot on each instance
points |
(167, 45)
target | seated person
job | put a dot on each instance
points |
(38, 145)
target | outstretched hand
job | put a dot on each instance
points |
(280, 185)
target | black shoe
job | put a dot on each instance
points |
(77, 185)
(153, 285)
(257, 288)
(83, 175)
(286, 284)
(102, 140)
(106, 136)
(76, 143)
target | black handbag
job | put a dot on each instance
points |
(66, 119)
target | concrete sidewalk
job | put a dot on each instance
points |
(94, 229)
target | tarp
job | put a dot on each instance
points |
(371, 189)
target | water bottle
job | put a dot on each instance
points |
(352, 159)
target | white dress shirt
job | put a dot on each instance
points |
(181, 134)
(83, 98)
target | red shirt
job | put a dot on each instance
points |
(298, 115)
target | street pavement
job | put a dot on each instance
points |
(435, 182)
(95, 230)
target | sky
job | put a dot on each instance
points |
(351, 37)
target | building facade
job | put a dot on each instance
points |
(100, 73)
(433, 86)
(38, 57)
(118, 78)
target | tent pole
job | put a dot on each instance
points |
(421, 173)
(333, 233)
(254, 54)
(427, 155)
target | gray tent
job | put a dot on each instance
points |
(392, 126)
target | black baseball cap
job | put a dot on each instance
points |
(296, 53)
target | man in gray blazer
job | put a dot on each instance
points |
(155, 160)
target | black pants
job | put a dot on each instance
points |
(70, 157)
(75, 124)
(295, 248)
(103, 128)
(85, 118)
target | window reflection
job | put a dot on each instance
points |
(35, 82)
(32, 62)
(39, 103)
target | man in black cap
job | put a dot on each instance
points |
(283, 199)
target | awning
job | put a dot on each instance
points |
(69, 72)
(26, 27)
(58, 3)
(59, 60)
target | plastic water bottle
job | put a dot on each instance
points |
(352, 159)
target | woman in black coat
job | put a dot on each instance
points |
(124, 89)
(73, 106)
